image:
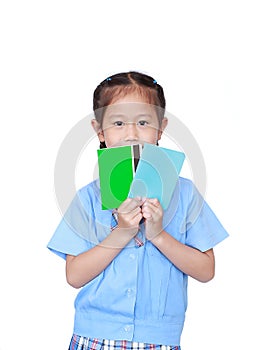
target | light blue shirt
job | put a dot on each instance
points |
(141, 296)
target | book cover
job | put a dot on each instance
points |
(157, 173)
(116, 171)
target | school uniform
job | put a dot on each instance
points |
(141, 297)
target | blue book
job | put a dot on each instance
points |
(157, 174)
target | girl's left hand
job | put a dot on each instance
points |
(153, 215)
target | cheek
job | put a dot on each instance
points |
(112, 138)
(151, 134)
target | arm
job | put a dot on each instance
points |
(83, 268)
(197, 264)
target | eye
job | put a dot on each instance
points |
(118, 123)
(142, 123)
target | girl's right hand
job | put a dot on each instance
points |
(130, 215)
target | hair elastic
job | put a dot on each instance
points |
(154, 81)
(108, 79)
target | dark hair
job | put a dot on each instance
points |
(121, 84)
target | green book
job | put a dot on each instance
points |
(116, 171)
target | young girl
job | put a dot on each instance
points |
(132, 264)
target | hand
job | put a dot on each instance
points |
(130, 215)
(153, 215)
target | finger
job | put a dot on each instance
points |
(135, 220)
(148, 206)
(147, 215)
(129, 216)
(147, 211)
(135, 212)
(150, 210)
(154, 201)
(130, 204)
(138, 217)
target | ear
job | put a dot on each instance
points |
(163, 125)
(97, 128)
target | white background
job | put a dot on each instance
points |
(206, 55)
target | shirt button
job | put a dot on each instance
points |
(129, 292)
(132, 256)
(127, 328)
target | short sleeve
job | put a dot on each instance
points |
(66, 241)
(203, 228)
(76, 232)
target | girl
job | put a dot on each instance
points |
(132, 264)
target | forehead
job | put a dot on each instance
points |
(131, 105)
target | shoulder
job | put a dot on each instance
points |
(186, 188)
(91, 190)
(185, 183)
(88, 197)
(184, 195)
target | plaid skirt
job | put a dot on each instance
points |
(82, 343)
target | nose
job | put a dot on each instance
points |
(131, 132)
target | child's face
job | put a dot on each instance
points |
(129, 120)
